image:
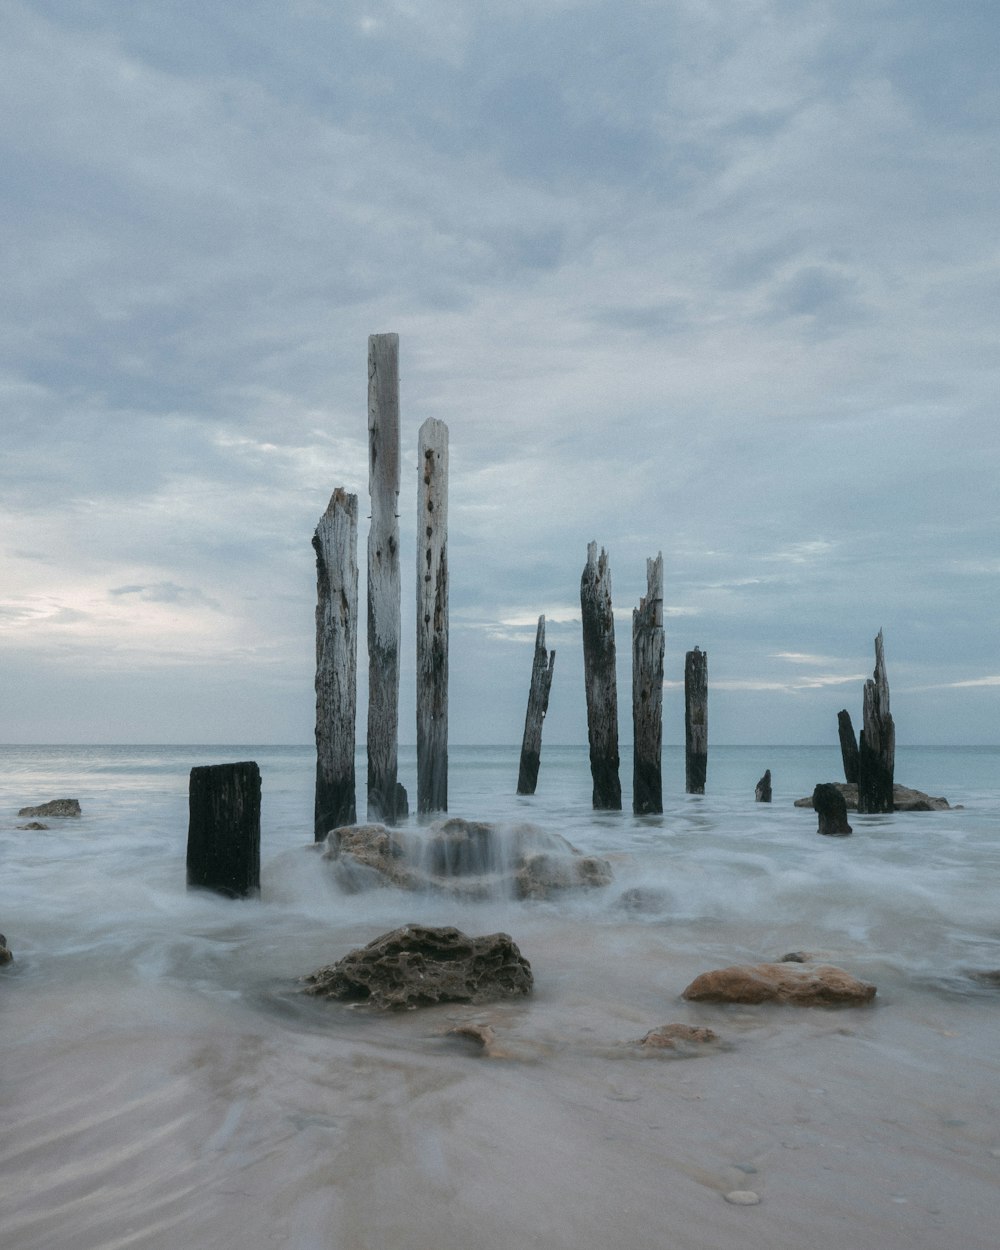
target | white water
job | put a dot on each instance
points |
(165, 1084)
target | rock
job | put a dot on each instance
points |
(56, 807)
(667, 1037)
(743, 1198)
(832, 811)
(33, 824)
(368, 856)
(801, 984)
(541, 875)
(644, 899)
(904, 799)
(418, 965)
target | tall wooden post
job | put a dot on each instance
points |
(848, 745)
(336, 544)
(647, 694)
(223, 847)
(432, 617)
(384, 799)
(695, 720)
(877, 749)
(601, 679)
(538, 704)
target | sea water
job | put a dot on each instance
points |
(165, 1083)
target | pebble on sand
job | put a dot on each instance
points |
(743, 1198)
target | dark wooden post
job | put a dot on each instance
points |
(542, 666)
(848, 745)
(831, 808)
(762, 791)
(336, 544)
(223, 847)
(601, 679)
(432, 617)
(385, 800)
(877, 750)
(695, 720)
(647, 694)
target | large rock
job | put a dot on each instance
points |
(904, 799)
(804, 985)
(56, 807)
(418, 965)
(462, 858)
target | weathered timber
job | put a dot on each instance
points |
(762, 791)
(877, 748)
(831, 808)
(542, 666)
(600, 678)
(384, 799)
(432, 617)
(336, 544)
(695, 720)
(647, 694)
(848, 745)
(223, 847)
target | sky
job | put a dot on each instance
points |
(713, 278)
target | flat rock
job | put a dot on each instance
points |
(33, 825)
(419, 965)
(55, 807)
(804, 985)
(677, 1036)
(743, 1198)
(903, 798)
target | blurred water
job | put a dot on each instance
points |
(165, 1084)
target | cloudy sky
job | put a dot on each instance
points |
(717, 278)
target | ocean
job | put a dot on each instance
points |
(166, 1084)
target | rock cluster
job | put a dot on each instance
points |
(420, 965)
(804, 985)
(904, 799)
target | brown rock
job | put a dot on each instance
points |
(903, 799)
(57, 807)
(33, 824)
(804, 985)
(667, 1036)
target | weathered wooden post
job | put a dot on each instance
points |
(223, 847)
(877, 749)
(848, 745)
(601, 680)
(762, 791)
(432, 617)
(695, 720)
(542, 666)
(336, 544)
(831, 808)
(647, 694)
(386, 798)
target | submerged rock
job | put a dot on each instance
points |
(668, 1036)
(466, 859)
(419, 965)
(33, 825)
(903, 798)
(55, 807)
(801, 984)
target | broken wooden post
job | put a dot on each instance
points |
(877, 748)
(432, 617)
(601, 679)
(386, 798)
(695, 720)
(223, 847)
(831, 808)
(762, 791)
(647, 694)
(542, 666)
(848, 745)
(336, 544)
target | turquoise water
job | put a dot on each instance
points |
(166, 1085)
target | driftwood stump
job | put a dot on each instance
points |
(877, 750)
(336, 545)
(601, 679)
(223, 847)
(384, 799)
(542, 666)
(848, 745)
(831, 808)
(762, 792)
(647, 694)
(432, 617)
(695, 720)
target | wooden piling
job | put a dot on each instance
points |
(336, 544)
(542, 667)
(848, 745)
(695, 720)
(647, 694)
(877, 748)
(223, 846)
(601, 679)
(432, 617)
(762, 791)
(386, 797)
